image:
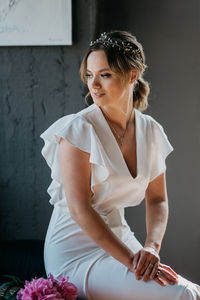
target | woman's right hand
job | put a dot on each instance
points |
(165, 275)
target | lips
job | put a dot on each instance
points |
(98, 94)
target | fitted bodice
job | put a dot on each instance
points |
(112, 184)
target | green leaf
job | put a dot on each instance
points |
(15, 279)
(3, 291)
(9, 289)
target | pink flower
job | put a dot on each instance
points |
(50, 288)
(68, 290)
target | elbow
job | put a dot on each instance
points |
(157, 201)
(74, 213)
(158, 205)
(79, 214)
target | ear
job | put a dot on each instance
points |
(133, 76)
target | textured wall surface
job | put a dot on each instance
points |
(37, 86)
(40, 84)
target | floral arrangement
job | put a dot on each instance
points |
(39, 289)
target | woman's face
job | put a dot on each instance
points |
(104, 85)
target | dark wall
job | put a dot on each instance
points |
(40, 84)
(170, 34)
(37, 86)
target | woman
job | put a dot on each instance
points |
(104, 158)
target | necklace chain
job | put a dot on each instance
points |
(120, 137)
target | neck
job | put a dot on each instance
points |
(119, 116)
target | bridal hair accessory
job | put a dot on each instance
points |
(126, 47)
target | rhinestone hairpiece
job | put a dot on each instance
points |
(126, 47)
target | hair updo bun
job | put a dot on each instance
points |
(140, 94)
(123, 53)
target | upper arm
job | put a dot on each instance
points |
(157, 189)
(76, 176)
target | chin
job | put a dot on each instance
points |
(102, 101)
(99, 102)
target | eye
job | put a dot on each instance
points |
(87, 75)
(105, 75)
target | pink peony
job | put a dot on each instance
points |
(68, 290)
(50, 288)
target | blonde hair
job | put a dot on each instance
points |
(122, 64)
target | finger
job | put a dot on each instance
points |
(159, 281)
(136, 260)
(169, 269)
(154, 271)
(167, 273)
(167, 277)
(153, 262)
(146, 258)
(142, 266)
(148, 272)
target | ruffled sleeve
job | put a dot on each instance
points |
(80, 133)
(160, 149)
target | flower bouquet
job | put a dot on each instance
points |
(39, 289)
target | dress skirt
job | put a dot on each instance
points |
(97, 275)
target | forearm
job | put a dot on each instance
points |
(156, 222)
(91, 222)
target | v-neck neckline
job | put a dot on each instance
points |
(117, 145)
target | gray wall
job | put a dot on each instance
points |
(37, 86)
(170, 34)
(40, 84)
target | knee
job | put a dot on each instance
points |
(190, 291)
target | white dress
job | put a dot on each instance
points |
(68, 250)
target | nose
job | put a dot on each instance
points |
(95, 82)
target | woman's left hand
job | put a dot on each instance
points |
(145, 263)
(165, 275)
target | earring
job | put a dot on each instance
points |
(88, 103)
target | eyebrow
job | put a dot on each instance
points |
(106, 69)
